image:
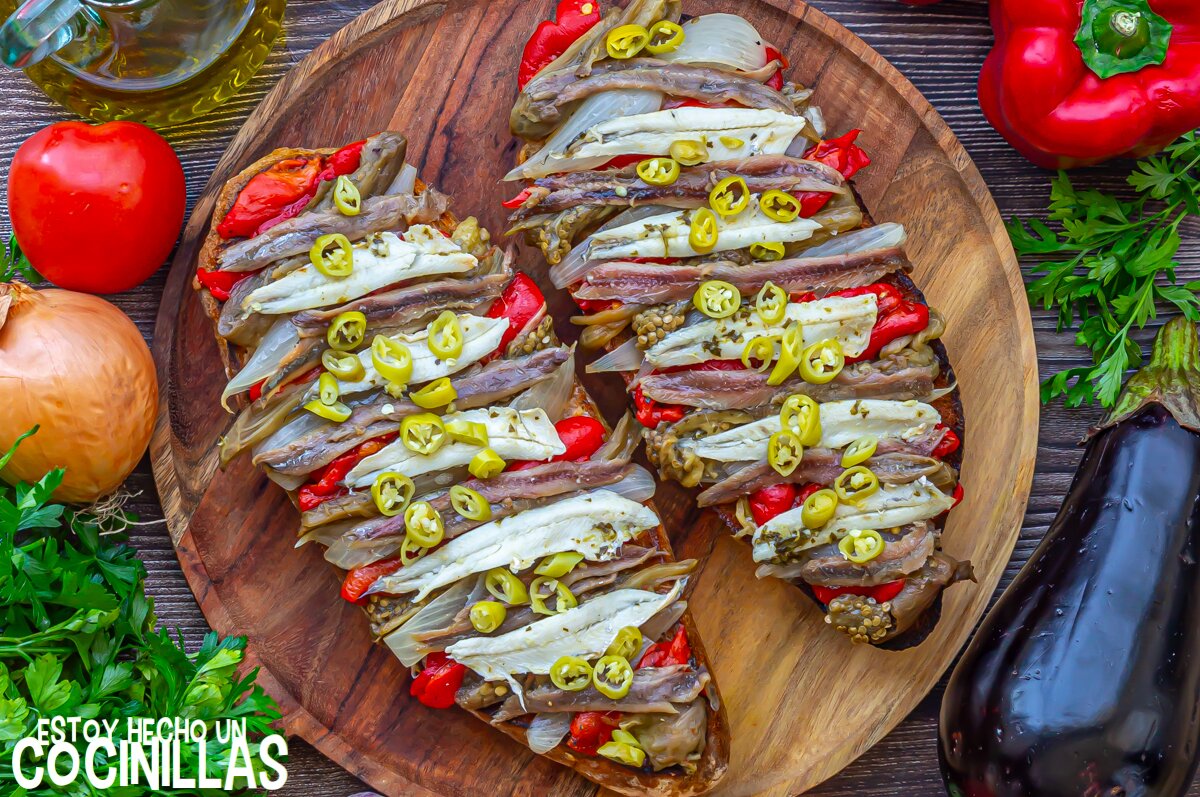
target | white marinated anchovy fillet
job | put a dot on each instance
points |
(847, 319)
(728, 133)
(585, 631)
(890, 507)
(381, 261)
(481, 336)
(842, 422)
(513, 435)
(668, 235)
(595, 524)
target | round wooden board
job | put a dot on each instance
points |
(802, 701)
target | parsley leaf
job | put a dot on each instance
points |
(1108, 266)
(13, 263)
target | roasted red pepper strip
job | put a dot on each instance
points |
(776, 80)
(591, 730)
(518, 200)
(896, 319)
(268, 193)
(842, 154)
(771, 502)
(811, 202)
(666, 654)
(325, 484)
(621, 161)
(345, 161)
(807, 490)
(581, 434)
(521, 302)
(221, 283)
(650, 413)
(958, 494)
(948, 445)
(882, 593)
(1064, 104)
(439, 681)
(572, 19)
(358, 581)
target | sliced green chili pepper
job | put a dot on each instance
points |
(332, 255)
(392, 359)
(626, 41)
(732, 142)
(761, 349)
(730, 197)
(437, 393)
(822, 362)
(559, 564)
(486, 464)
(446, 336)
(769, 252)
(470, 504)
(424, 524)
(343, 365)
(861, 545)
(410, 551)
(784, 452)
(704, 230)
(337, 412)
(571, 673)
(665, 37)
(859, 451)
(658, 171)
(627, 644)
(791, 351)
(423, 434)
(819, 508)
(771, 304)
(504, 586)
(780, 206)
(469, 432)
(347, 331)
(855, 484)
(391, 493)
(717, 299)
(328, 390)
(544, 588)
(622, 752)
(801, 416)
(689, 152)
(612, 676)
(487, 616)
(346, 197)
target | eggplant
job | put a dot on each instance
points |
(1084, 679)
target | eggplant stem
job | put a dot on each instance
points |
(1171, 378)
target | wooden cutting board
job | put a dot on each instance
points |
(802, 701)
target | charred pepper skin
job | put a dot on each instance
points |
(1085, 677)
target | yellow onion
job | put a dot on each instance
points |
(77, 367)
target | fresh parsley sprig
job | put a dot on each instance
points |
(1111, 265)
(13, 263)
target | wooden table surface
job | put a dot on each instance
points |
(939, 48)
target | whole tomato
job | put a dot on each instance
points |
(96, 208)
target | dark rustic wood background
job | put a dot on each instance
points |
(940, 48)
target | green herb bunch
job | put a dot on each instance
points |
(78, 638)
(1111, 265)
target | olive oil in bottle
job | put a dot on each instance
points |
(160, 62)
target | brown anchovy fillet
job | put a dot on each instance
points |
(539, 108)
(497, 380)
(648, 283)
(904, 553)
(297, 236)
(720, 390)
(821, 466)
(653, 691)
(625, 189)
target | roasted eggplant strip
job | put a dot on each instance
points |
(655, 690)
(589, 48)
(624, 188)
(555, 233)
(670, 739)
(539, 108)
(297, 236)
(496, 381)
(649, 283)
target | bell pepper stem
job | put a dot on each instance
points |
(1171, 378)
(1121, 36)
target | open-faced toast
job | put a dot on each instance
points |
(407, 389)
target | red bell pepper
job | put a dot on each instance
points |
(358, 580)
(345, 161)
(591, 730)
(221, 283)
(521, 302)
(948, 445)
(665, 654)
(651, 413)
(581, 434)
(842, 154)
(882, 593)
(436, 685)
(897, 317)
(572, 19)
(325, 484)
(1072, 83)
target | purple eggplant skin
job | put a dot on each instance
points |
(1084, 680)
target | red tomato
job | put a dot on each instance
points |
(96, 208)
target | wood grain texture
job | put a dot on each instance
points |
(431, 69)
(939, 48)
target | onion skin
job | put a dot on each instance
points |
(78, 368)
